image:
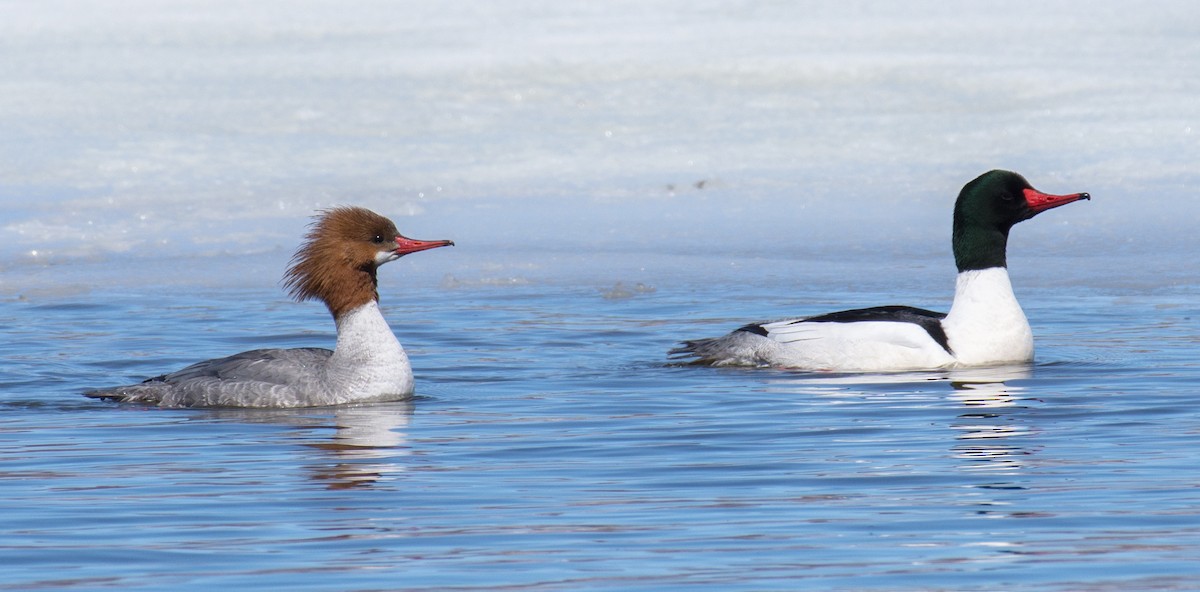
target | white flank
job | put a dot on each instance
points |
(876, 346)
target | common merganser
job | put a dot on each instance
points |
(985, 325)
(337, 265)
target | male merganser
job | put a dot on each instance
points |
(336, 265)
(985, 325)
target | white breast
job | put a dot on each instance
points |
(368, 363)
(986, 325)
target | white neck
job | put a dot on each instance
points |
(368, 361)
(986, 324)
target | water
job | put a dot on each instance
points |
(616, 178)
(550, 448)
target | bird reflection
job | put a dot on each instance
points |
(366, 439)
(360, 452)
(985, 435)
(992, 442)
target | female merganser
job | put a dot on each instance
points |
(985, 325)
(336, 264)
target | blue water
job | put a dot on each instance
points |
(551, 447)
(617, 176)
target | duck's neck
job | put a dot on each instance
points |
(979, 248)
(985, 324)
(364, 335)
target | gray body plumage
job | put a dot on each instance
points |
(256, 378)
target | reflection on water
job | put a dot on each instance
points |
(986, 436)
(959, 378)
(991, 439)
(360, 452)
(987, 380)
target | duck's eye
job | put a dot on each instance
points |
(377, 239)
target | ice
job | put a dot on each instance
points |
(214, 129)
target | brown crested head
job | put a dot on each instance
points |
(337, 262)
(341, 252)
